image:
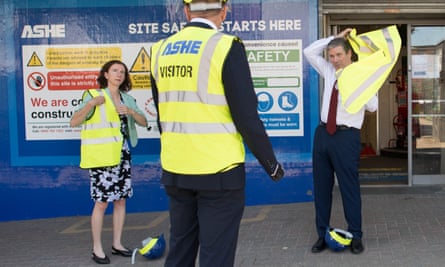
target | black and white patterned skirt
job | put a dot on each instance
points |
(113, 183)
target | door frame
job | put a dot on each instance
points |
(418, 179)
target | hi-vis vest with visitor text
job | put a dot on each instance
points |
(377, 54)
(101, 138)
(198, 134)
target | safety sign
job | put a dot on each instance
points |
(55, 82)
(36, 81)
(34, 61)
(277, 71)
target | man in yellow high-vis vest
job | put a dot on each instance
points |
(336, 150)
(207, 107)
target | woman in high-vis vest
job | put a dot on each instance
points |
(108, 117)
(207, 107)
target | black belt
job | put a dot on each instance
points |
(340, 127)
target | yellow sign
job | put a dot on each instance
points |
(140, 81)
(34, 61)
(82, 57)
(142, 62)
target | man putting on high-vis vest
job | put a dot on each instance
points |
(207, 107)
(349, 90)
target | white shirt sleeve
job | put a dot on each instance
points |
(372, 104)
(314, 55)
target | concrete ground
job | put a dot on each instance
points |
(403, 226)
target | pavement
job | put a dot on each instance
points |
(403, 226)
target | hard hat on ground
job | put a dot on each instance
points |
(337, 239)
(153, 247)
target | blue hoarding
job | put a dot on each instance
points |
(51, 53)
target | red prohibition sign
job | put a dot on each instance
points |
(36, 81)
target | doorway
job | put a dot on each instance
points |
(410, 122)
(406, 135)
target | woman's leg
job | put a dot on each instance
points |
(97, 219)
(118, 223)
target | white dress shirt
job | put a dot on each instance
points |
(313, 54)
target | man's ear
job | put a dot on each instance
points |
(224, 13)
(349, 54)
(188, 16)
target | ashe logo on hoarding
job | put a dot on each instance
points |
(44, 31)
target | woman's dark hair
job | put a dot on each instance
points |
(346, 46)
(102, 81)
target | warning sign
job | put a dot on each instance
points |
(142, 62)
(36, 81)
(53, 92)
(84, 57)
(72, 80)
(140, 81)
(34, 61)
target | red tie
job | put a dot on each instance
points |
(331, 125)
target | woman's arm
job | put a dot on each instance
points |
(139, 118)
(79, 116)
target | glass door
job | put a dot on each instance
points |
(427, 111)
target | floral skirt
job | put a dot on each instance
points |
(112, 183)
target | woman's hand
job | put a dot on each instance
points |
(98, 100)
(124, 110)
(80, 115)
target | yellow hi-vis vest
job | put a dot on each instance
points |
(377, 54)
(198, 134)
(101, 138)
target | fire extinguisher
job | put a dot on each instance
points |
(400, 121)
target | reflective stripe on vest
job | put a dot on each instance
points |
(378, 52)
(101, 139)
(198, 133)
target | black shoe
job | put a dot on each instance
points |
(319, 246)
(123, 253)
(357, 246)
(104, 260)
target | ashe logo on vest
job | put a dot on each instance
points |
(182, 47)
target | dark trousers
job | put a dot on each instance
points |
(205, 220)
(339, 154)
